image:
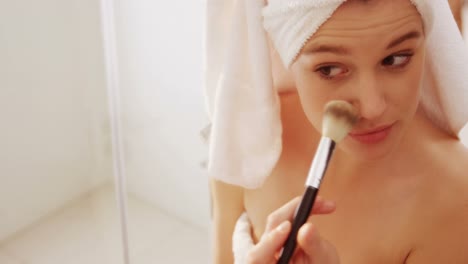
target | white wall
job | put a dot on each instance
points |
(53, 130)
(160, 49)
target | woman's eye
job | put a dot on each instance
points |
(329, 72)
(399, 60)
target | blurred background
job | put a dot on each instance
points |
(58, 199)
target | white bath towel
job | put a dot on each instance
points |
(245, 137)
(242, 241)
(245, 140)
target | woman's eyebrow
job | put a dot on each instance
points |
(405, 37)
(322, 48)
(326, 49)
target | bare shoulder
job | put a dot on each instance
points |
(442, 222)
(452, 165)
(452, 171)
(227, 205)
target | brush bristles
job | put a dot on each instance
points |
(339, 118)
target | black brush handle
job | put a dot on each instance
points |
(302, 214)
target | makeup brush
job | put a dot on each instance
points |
(339, 118)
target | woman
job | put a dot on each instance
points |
(396, 190)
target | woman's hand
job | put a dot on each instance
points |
(311, 248)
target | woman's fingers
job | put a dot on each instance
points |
(278, 228)
(316, 249)
(284, 213)
(265, 251)
(322, 206)
(287, 211)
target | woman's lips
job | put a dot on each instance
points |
(372, 136)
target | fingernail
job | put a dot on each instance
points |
(283, 227)
(329, 204)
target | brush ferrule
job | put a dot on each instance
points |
(320, 162)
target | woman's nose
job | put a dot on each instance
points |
(369, 97)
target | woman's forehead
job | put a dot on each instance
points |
(371, 14)
(294, 24)
(358, 18)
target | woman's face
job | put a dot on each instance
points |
(371, 55)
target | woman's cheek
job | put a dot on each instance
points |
(410, 90)
(312, 100)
